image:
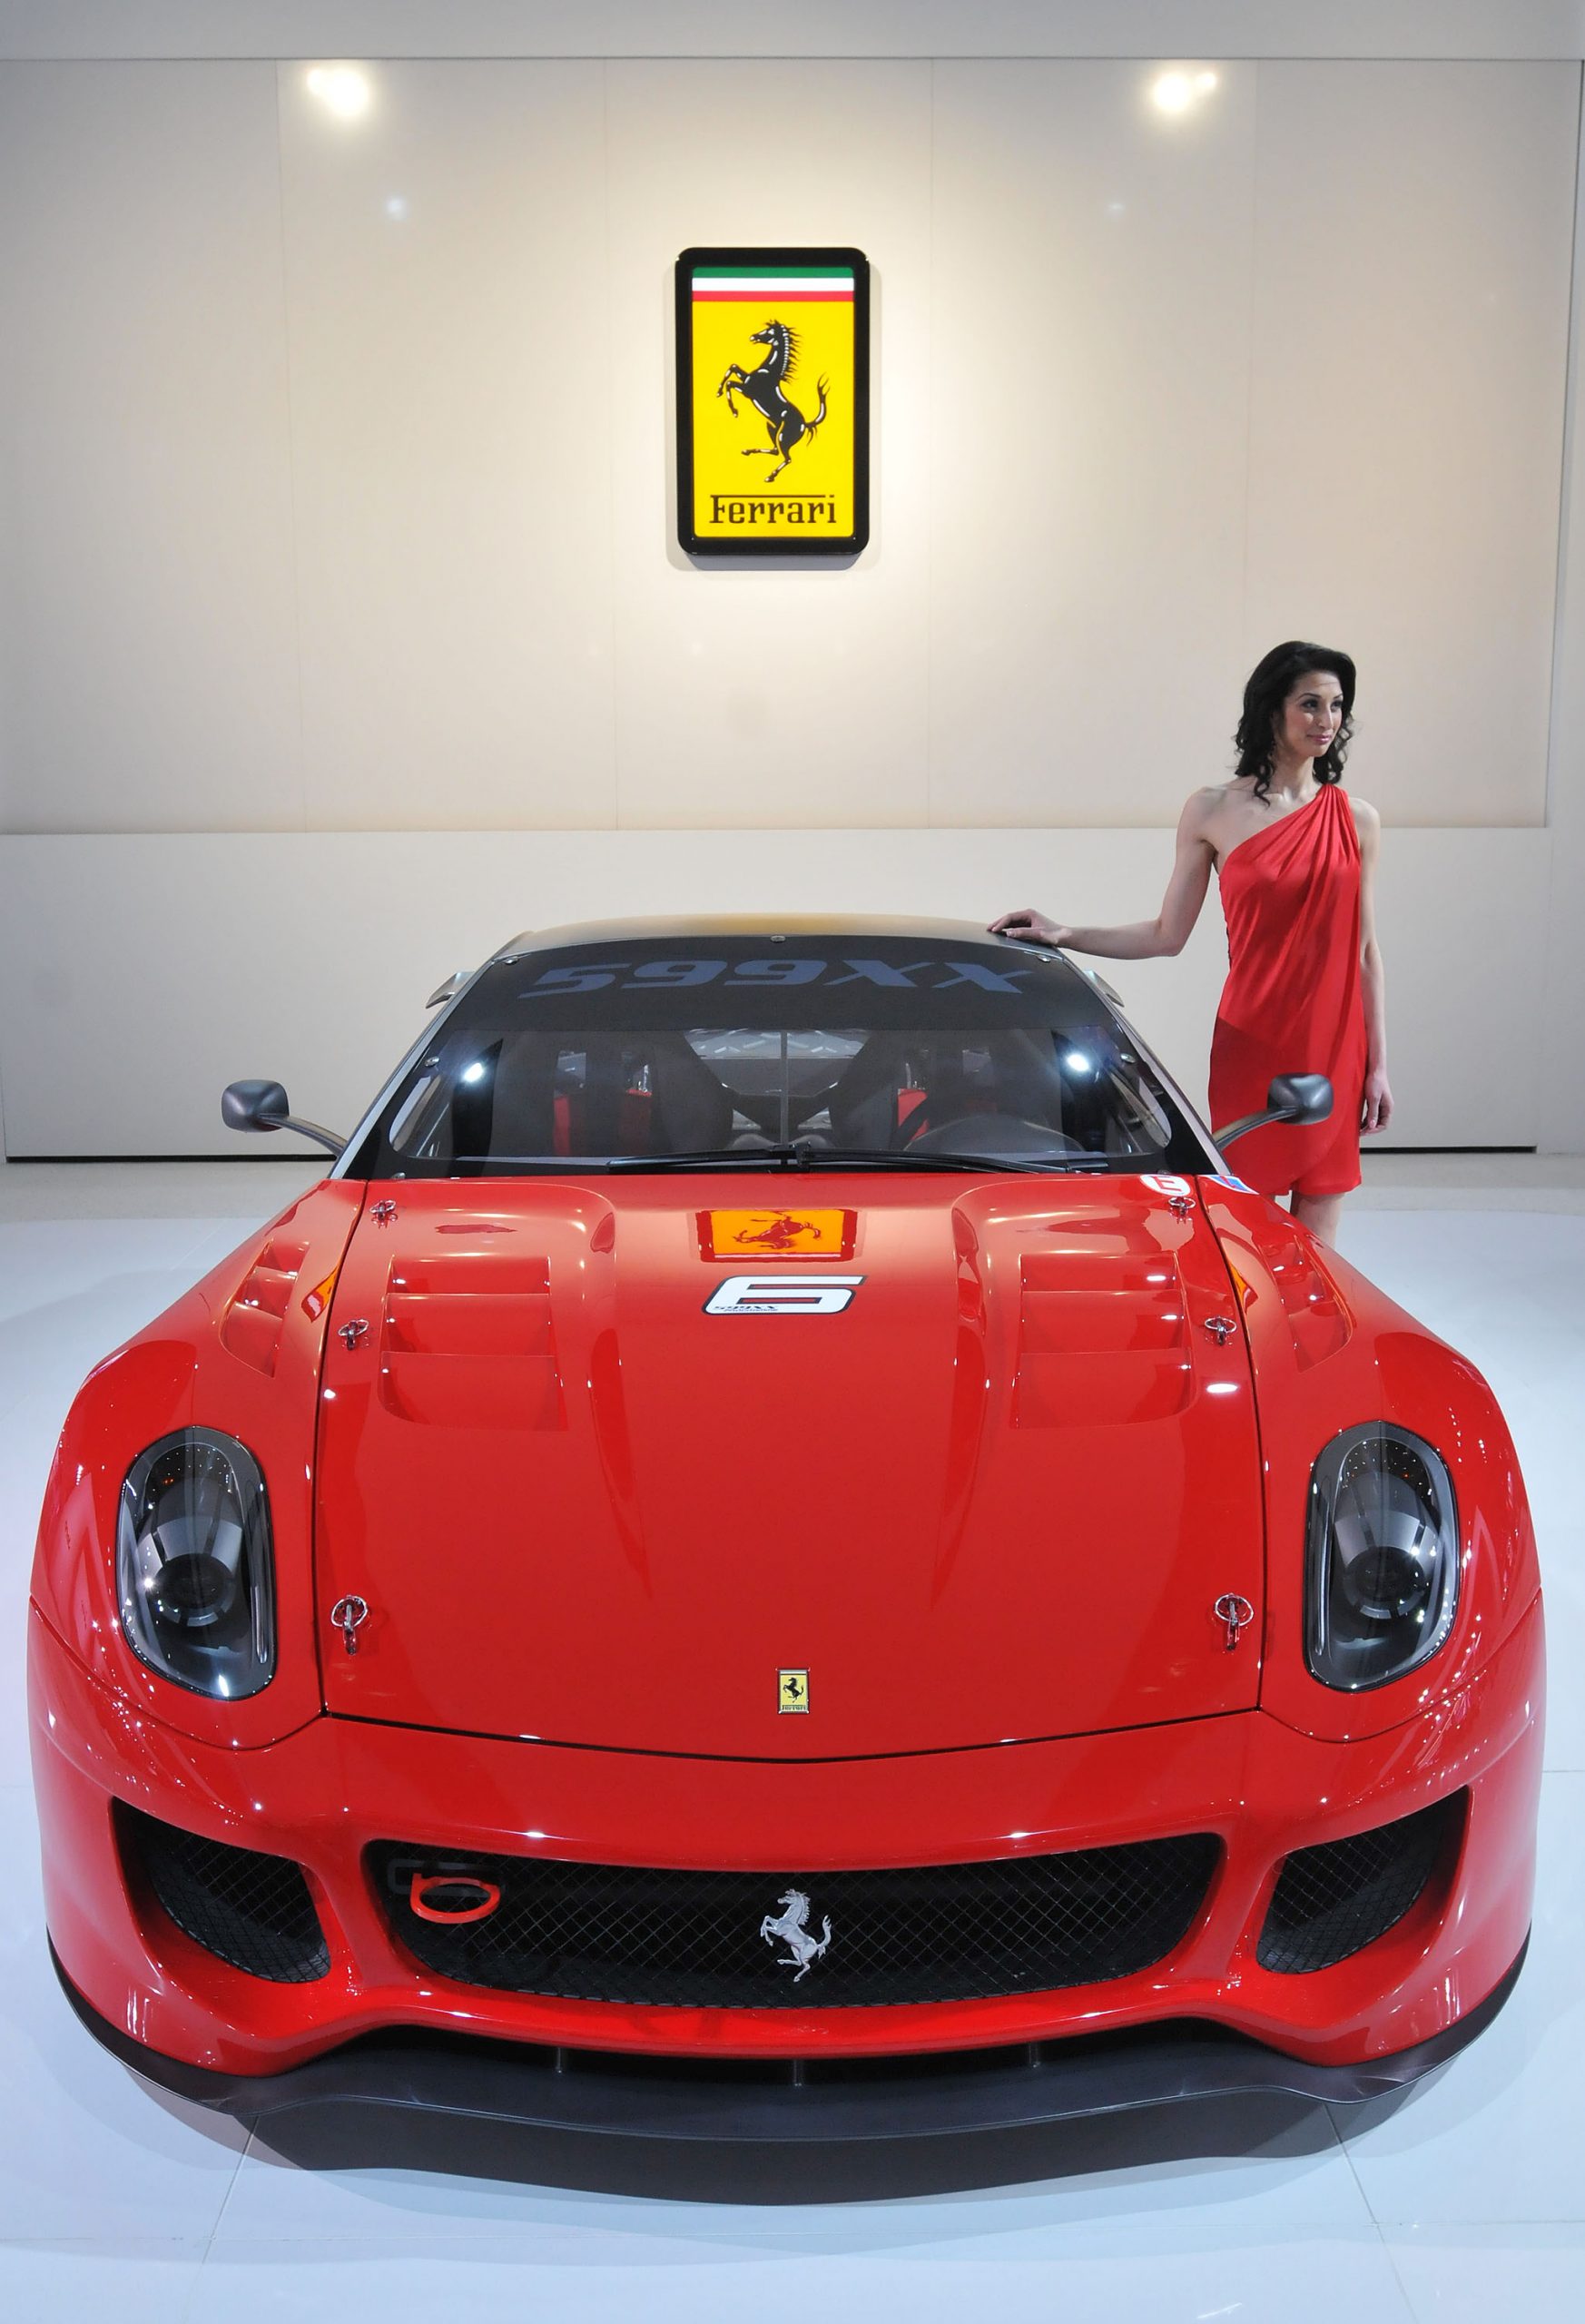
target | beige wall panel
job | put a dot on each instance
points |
(1411, 313)
(1091, 366)
(146, 625)
(145, 973)
(761, 698)
(452, 416)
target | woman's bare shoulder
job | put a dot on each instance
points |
(1217, 814)
(1367, 823)
(1202, 807)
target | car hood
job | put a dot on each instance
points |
(988, 1487)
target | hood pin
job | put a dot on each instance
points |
(346, 1613)
(1236, 1613)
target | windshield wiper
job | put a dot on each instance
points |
(804, 1153)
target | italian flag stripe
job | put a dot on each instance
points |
(767, 281)
(788, 298)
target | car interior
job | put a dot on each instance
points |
(497, 1096)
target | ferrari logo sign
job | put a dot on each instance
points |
(778, 1234)
(773, 402)
(792, 1691)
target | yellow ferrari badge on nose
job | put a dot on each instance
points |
(792, 1691)
(777, 1233)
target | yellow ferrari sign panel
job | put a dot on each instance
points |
(777, 1233)
(793, 1690)
(773, 402)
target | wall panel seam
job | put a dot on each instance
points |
(1565, 466)
(613, 675)
(294, 539)
(930, 538)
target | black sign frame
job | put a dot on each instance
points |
(837, 545)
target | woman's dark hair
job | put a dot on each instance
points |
(1271, 682)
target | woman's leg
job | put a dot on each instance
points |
(1319, 1213)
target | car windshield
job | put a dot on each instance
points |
(835, 1051)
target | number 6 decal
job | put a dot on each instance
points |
(783, 1294)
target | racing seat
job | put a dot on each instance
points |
(693, 1108)
(522, 1113)
(863, 1105)
(683, 1108)
(1022, 1080)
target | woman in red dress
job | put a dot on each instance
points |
(1296, 857)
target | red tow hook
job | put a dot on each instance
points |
(452, 1898)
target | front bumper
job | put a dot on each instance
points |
(324, 1795)
(480, 2087)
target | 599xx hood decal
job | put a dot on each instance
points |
(773, 402)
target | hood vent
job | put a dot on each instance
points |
(251, 1326)
(467, 1341)
(1103, 1339)
(1319, 1321)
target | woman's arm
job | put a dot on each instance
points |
(1138, 940)
(1376, 1107)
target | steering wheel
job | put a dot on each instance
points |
(991, 1134)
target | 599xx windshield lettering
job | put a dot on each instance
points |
(649, 976)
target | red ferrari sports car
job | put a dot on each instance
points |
(779, 1551)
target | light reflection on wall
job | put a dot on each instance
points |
(1180, 90)
(342, 89)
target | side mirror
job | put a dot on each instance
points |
(1302, 1097)
(264, 1105)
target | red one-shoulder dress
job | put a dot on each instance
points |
(1292, 1001)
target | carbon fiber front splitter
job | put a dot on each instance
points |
(787, 2102)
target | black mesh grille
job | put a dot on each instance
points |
(694, 1939)
(253, 1911)
(1335, 1900)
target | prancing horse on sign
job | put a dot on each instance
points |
(761, 387)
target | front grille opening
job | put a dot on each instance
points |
(660, 1938)
(251, 1910)
(1333, 1901)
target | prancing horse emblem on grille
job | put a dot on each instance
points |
(802, 1950)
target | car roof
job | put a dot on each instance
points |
(849, 926)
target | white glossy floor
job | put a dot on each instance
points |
(1469, 2201)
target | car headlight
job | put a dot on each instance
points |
(194, 1572)
(1382, 1556)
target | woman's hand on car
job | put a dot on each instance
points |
(1031, 927)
